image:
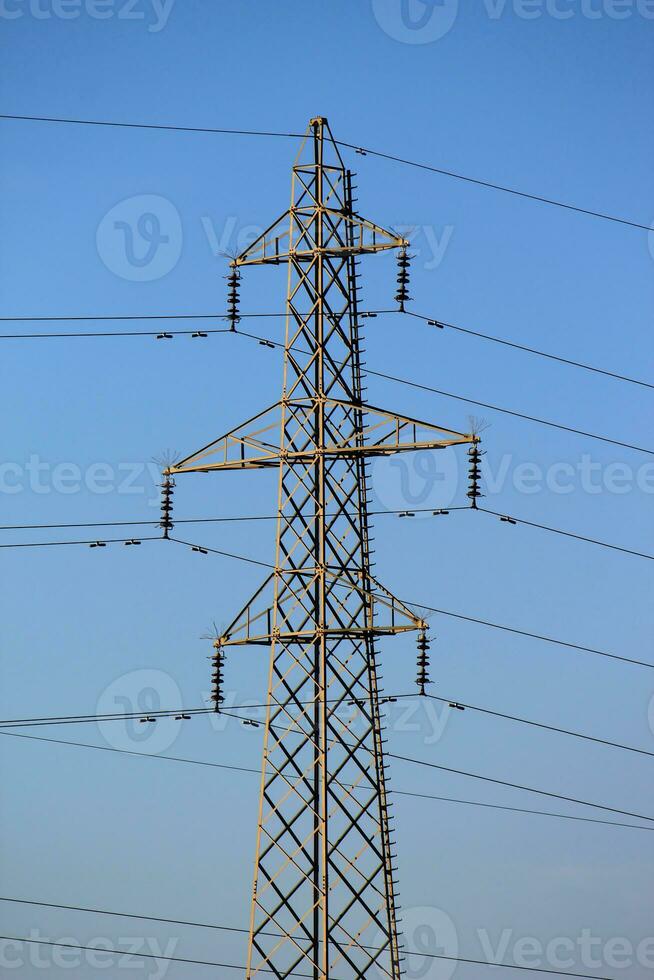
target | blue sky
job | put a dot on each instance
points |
(550, 104)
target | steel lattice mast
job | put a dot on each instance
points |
(324, 902)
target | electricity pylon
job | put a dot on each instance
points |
(324, 898)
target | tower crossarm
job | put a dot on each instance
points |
(384, 613)
(253, 444)
(384, 434)
(288, 239)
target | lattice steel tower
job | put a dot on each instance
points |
(324, 899)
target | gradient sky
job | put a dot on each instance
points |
(518, 94)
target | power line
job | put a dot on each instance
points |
(396, 380)
(165, 713)
(443, 612)
(515, 809)
(497, 187)
(71, 335)
(435, 321)
(487, 779)
(243, 518)
(499, 782)
(535, 636)
(214, 316)
(271, 517)
(134, 316)
(396, 792)
(145, 755)
(108, 333)
(138, 523)
(202, 549)
(537, 724)
(91, 543)
(223, 928)
(569, 534)
(512, 412)
(115, 716)
(224, 554)
(487, 184)
(147, 956)
(384, 699)
(526, 789)
(161, 714)
(512, 519)
(227, 966)
(161, 126)
(218, 316)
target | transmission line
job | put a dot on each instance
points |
(567, 534)
(384, 699)
(536, 636)
(396, 792)
(90, 543)
(488, 779)
(462, 705)
(443, 612)
(509, 411)
(234, 929)
(529, 350)
(526, 789)
(389, 377)
(129, 953)
(227, 966)
(363, 150)
(127, 316)
(243, 518)
(433, 321)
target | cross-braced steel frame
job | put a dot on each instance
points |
(324, 898)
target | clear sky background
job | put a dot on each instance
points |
(552, 105)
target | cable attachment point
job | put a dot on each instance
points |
(474, 475)
(423, 662)
(233, 297)
(167, 492)
(217, 678)
(403, 278)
